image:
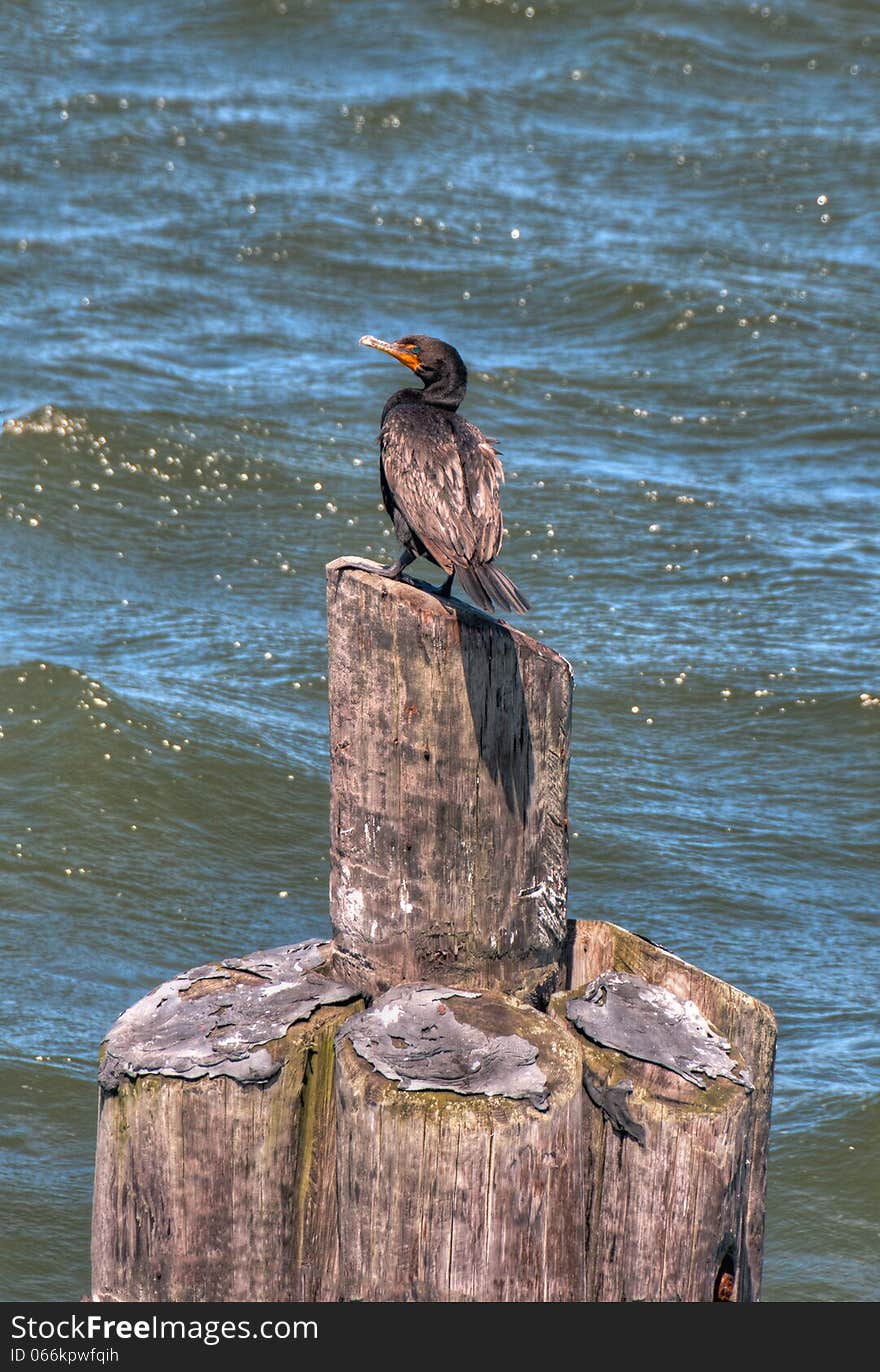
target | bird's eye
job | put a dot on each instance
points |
(417, 351)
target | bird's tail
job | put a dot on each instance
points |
(488, 586)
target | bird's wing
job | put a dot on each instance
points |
(444, 475)
(482, 474)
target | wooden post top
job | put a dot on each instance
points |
(217, 1020)
(425, 601)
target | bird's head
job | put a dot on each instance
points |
(435, 363)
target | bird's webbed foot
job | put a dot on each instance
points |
(394, 571)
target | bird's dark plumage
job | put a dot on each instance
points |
(440, 476)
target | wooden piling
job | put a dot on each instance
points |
(449, 751)
(676, 1156)
(394, 1116)
(217, 1136)
(468, 1187)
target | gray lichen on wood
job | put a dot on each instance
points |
(613, 1101)
(621, 1010)
(215, 1020)
(411, 1036)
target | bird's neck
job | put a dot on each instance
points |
(410, 396)
(445, 394)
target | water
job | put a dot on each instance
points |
(651, 230)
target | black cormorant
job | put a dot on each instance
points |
(440, 476)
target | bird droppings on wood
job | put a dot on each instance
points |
(412, 1037)
(215, 1020)
(621, 1010)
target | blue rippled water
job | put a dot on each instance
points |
(651, 229)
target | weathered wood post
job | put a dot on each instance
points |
(460, 1151)
(397, 1116)
(217, 1135)
(680, 1065)
(449, 752)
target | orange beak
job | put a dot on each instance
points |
(403, 353)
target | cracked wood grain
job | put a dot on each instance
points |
(679, 1213)
(216, 1152)
(462, 1197)
(449, 741)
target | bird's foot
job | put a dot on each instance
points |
(394, 571)
(366, 564)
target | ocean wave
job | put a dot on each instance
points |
(122, 776)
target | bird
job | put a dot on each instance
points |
(440, 476)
